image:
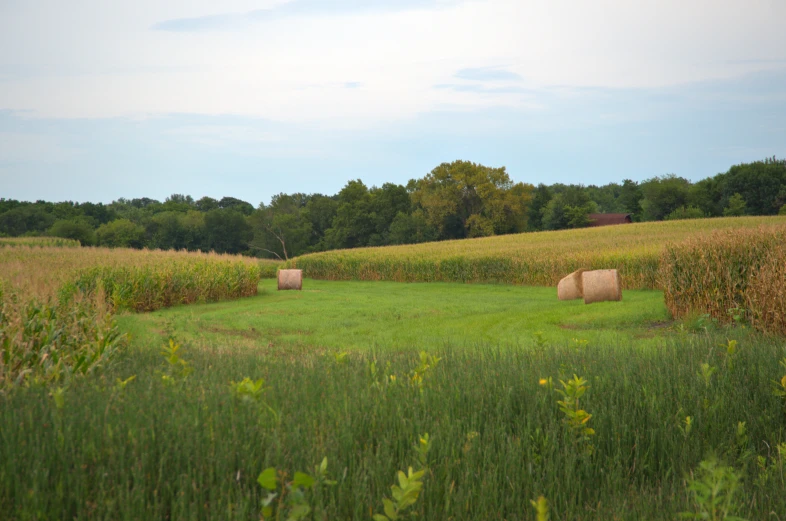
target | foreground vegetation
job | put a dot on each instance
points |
(730, 275)
(539, 259)
(183, 430)
(57, 305)
(361, 400)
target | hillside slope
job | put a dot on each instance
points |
(538, 259)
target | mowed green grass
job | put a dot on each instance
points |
(374, 316)
(186, 448)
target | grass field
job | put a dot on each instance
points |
(369, 316)
(174, 445)
(535, 259)
(494, 394)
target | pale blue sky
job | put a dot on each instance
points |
(244, 98)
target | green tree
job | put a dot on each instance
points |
(282, 229)
(25, 219)
(707, 195)
(630, 198)
(124, 209)
(570, 208)
(607, 198)
(685, 212)
(453, 192)
(578, 216)
(194, 230)
(320, 211)
(178, 203)
(77, 229)
(66, 210)
(759, 183)
(540, 198)
(386, 203)
(205, 204)
(231, 203)
(165, 231)
(97, 213)
(121, 233)
(735, 207)
(227, 231)
(663, 195)
(411, 229)
(354, 223)
(479, 226)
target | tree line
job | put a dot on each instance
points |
(455, 200)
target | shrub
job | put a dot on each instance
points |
(121, 233)
(685, 212)
(735, 207)
(74, 229)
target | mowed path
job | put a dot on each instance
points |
(388, 315)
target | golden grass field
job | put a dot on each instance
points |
(38, 242)
(538, 259)
(40, 272)
(732, 274)
(57, 303)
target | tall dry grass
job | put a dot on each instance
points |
(148, 288)
(57, 304)
(38, 242)
(732, 273)
(539, 259)
(41, 272)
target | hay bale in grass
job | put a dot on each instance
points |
(571, 287)
(601, 286)
(290, 279)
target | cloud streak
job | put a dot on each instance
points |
(593, 135)
(487, 74)
(233, 21)
(485, 89)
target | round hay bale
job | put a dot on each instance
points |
(571, 287)
(601, 286)
(290, 279)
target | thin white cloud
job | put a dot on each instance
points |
(100, 59)
(487, 74)
(233, 21)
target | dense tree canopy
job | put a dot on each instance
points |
(464, 199)
(455, 200)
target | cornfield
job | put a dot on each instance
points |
(57, 304)
(732, 273)
(268, 268)
(148, 288)
(42, 272)
(38, 242)
(538, 259)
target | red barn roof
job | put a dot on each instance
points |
(605, 219)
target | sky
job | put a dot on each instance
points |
(250, 98)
